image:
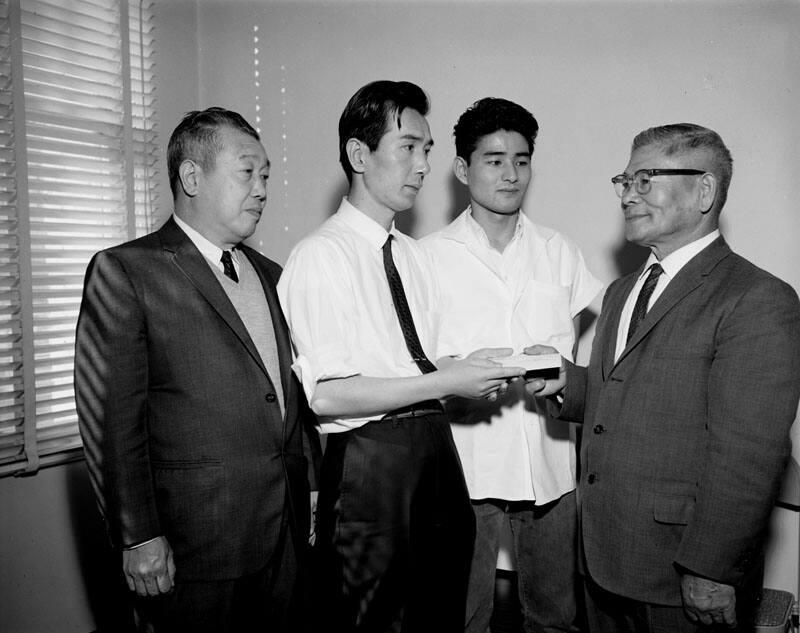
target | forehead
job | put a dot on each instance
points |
(502, 142)
(651, 157)
(413, 126)
(237, 145)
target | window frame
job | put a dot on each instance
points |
(140, 152)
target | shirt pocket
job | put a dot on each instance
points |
(672, 509)
(544, 314)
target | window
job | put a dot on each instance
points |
(78, 150)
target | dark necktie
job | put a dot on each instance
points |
(640, 309)
(403, 312)
(227, 265)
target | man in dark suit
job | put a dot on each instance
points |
(687, 402)
(192, 421)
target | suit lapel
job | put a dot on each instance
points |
(192, 264)
(690, 277)
(613, 307)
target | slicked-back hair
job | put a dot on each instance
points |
(196, 138)
(685, 138)
(487, 116)
(370, 111)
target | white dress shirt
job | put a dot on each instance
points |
(209, 250)
(510, 449)
(338, 305)
(672, 265)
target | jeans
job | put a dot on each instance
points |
(545, 559)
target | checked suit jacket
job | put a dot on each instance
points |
(182, 430)
(686, 435)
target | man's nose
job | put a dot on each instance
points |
(510, 173)
(260, 188)
(423, 166)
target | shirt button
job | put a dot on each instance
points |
(270, 397)
(591, 478)
(598, 429)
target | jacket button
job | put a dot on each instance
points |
(270, 397)
(591, 478)
(598, 429)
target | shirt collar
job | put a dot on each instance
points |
(209, 250)
(362, 224)
(676, 260)
(465, 228)
(477, 231)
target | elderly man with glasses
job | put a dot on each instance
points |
(686, 404)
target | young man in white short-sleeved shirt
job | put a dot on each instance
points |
(507, 282)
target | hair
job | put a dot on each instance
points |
(368, 113)
(196, 138)
(487, 116)
(687, 138)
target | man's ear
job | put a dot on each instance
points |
(357, 152)
(708, 192)
(460, 169)
(188, 173)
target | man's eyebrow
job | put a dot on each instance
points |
(254, 157)
(415, 137)
(499, 153)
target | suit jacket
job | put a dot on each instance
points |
(686, 435)
(182, 430)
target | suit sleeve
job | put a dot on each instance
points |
(111, 383)
(753, 391)
(572, 408)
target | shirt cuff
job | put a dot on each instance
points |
(150, 540)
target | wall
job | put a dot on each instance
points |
(58, 574)
(594, 73)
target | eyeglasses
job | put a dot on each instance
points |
(641, 179)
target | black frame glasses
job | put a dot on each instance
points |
(641, 179)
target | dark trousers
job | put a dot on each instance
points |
(268, 600)
(395, 529)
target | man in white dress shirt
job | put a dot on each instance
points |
(395, 526)
(509, 282)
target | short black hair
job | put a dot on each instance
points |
(684, 138)
(488, 115)
(196, 138)
(368, 112)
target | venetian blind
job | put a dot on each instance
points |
(77, 171)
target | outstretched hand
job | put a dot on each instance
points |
(477, 376)
(538, 386)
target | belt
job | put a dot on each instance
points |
(416, 410)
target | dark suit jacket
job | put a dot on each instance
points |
(182, 431)
(687, 434)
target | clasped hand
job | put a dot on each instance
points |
(149, 569)
(707, 601)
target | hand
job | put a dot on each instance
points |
(546, 387)
(149, 569)
(477, 376)
(707, 601)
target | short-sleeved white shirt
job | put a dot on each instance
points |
(529, 294)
